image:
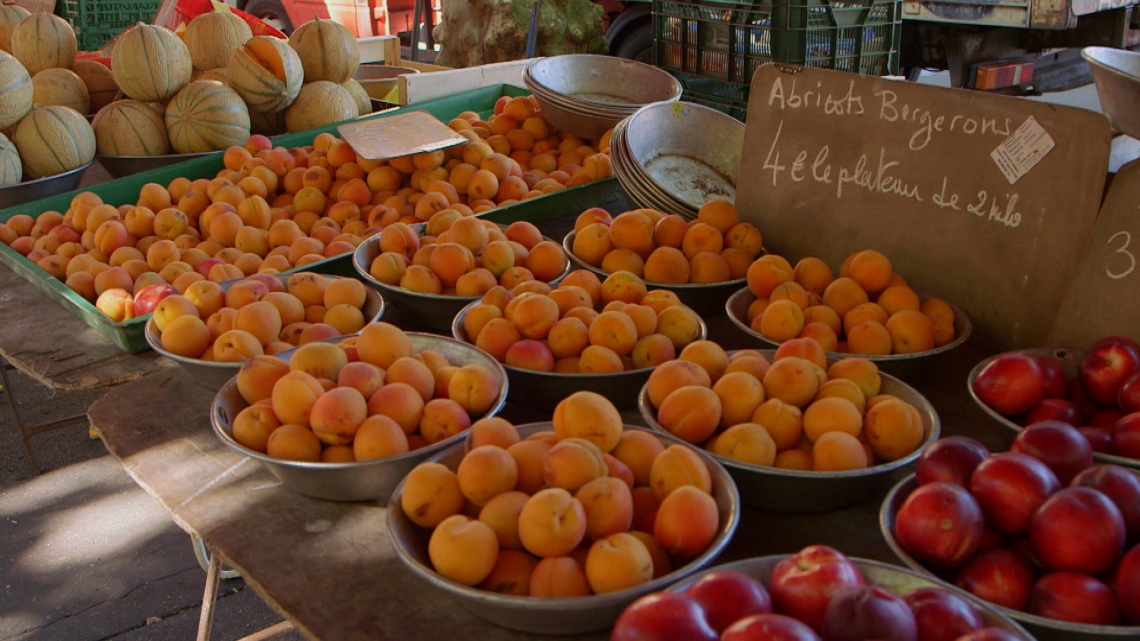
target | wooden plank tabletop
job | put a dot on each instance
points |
(329, 567)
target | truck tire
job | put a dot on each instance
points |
(637, 44)
(272, 13)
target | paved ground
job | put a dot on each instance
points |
(87, 555)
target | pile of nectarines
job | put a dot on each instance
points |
(664, 248)
(370, 396)
(258, 315)
(588, 508)
(868, 310)
(583, 326)
(466, 256)
(794, 413)
(271, 209)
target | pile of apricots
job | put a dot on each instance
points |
(794, 413)
(867, 310)
(371, 396)
(585, 508)
(271, 209)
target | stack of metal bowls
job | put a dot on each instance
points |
(675, 157)
(587, 95)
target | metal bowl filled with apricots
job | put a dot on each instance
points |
(212, 374)
(565, 615)
(767, 487)
(365, 480)
(423, 310)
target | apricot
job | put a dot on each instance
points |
(573, 462)
(652, 351)
(596, 359)
(911, 332)
(870, 338)
(257, 376)
(494, 431)
(294, 442)
(365, 378)
(844, 294)
(337, 414)
(740, 393)
(680, 324)
(710, 356)
(589, 416)
(501, 513)
(687, 522)
(412, 371)
(463, 549)
(624, 286)
(674, 375)
(529, 456)
(746, 442)
(860, 371)
(430, 494)
(442, 419)
(185, 335)
(568, 337)
(690, 413)
(382, 343)
(766, 273)
(676, 467)
(608, 505)
(321, 360)
(400, 402)
(618, 562)
(792, 380)
(552, 523)
(871, 269)
(559, 577)
(893, 428)
(837, 452)
(253, 425)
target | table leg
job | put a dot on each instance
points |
(213, 578)
(27, 432)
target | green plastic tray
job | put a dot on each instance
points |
(128, 335)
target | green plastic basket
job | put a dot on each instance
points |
(97, 21)
(729, 40)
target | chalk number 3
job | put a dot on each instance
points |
(1123, 249)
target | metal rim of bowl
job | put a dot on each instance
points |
(567, 246)
(46, 179)
(577, 107)
(397, 291)
(962, 330)
(675, 84)
(1089, 55)
(460, 334)
(724, 535)
(644, 407)
(886, 527)
(764, 563)
(152, 334)
(1055, 354)
(434, 448)
(638, 182)
(172, 157)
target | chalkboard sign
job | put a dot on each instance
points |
(1104, 297)
(987, 201)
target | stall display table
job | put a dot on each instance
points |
(329, 567)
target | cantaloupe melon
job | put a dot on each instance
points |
(10, 16)
(267, 73)
(217, 75)
(130, 128)
(363, 100)
(320, 103)
(15, 91)
(101, 85)
(42, 41)
(267, 124)
(58, 86)
(328, 50)
(212, 38)
(206, 116)
(53, 140)
(11, 169)
(150, 63)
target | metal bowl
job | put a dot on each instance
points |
(429, 311)
(690, 151)
(544, 390)
(737, 309)
(362, 480)
(637, 184)
(213, 375)
(1042, 628)
(535, 615)
(1070, 360)
(119, 166)
(894, 579)
(29, 190)
(1117, 76)
(604, 81)
(704, 299)
(779, 490)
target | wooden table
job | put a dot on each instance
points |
(329, 567)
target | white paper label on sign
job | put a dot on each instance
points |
(1022, 150)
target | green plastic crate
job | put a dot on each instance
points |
(97, 21)
(728, 40)
(128, 335)
(727, 97)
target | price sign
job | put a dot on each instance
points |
(986, 201)
(1104, 297)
